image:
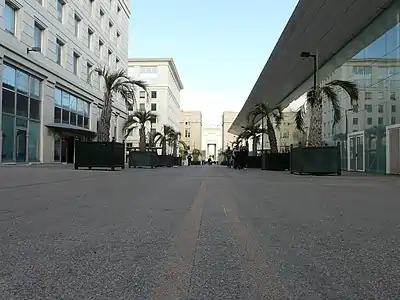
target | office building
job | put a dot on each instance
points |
(191, 129)
(227, 138)
(163, 97)
(50, 94)
(355, 42)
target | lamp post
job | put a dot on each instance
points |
(315, 58)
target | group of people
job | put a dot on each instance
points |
(237, 158)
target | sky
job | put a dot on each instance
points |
(219, 46)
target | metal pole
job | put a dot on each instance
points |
(262, 135)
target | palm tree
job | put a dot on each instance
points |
(196, 153)
(253, 131)
(163, 138)
(130, 124)
(175, 140)
(139, 119)
(314, 100)
(265, 111)
(115, 82)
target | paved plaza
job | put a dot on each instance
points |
(200, 232)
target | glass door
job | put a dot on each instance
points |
(352, 154)
(21, 144)
(360, 153)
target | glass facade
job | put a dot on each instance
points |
(376, 71)
(20, 116)
(69, 109)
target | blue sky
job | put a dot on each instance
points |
(219, 47)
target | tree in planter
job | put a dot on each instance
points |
(130, 124)
(196, 153)
(175, 141)
(164, 138)
(314, 100)
(115, 82)
(139, 119)
(267, 112)
(254, 132)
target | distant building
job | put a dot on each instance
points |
(163, 98)
(227, 138)
(191, 125)
(212, 141)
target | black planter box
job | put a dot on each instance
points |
(99, 155)
(143, 159)
(315, 160)
(195, 163)
(177, 161)
(253, 162)
(276, 161)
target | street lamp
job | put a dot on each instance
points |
(315, 57)
(33, 49)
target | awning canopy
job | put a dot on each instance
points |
(70, 129)
(319, 26)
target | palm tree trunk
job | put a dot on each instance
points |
(315, 133)
(254, 146)
(142, 139)
(103, 131)
(272, 136)
(164, 147)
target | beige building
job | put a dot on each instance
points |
(227, 119)
(191, 129)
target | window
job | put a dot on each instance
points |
(380, 96)
(91, 4)
(187, 123)
(109, 57)
(101, 49)
(117, 63)
(118, 9)
(153, 106)
(90, 38)
(142, 95)
(110, 26)
(393, 108)
(380, 108)
(153, 94)
(69, 109)
(38, 35)
(153, 120)
(148, 70)
(187, 133)
(369, 121)
(59, 10)
(393, 120)
(368, 107)
(59, 52)
(393, 96)
(142, 106)
(9, 18)
(355, 121)
(75, 65)
(101, 18)
(77, 22)
(355, 108)
(89, 72)
(368, 95)
(118, 38)
(380, 121)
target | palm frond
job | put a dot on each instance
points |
(349, 87)
(332, 97)
(299, 119)
(278, 116)
(129, 125)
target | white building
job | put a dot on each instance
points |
(212, 141)
(164, 87)
(227, 138)
(49, 94)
